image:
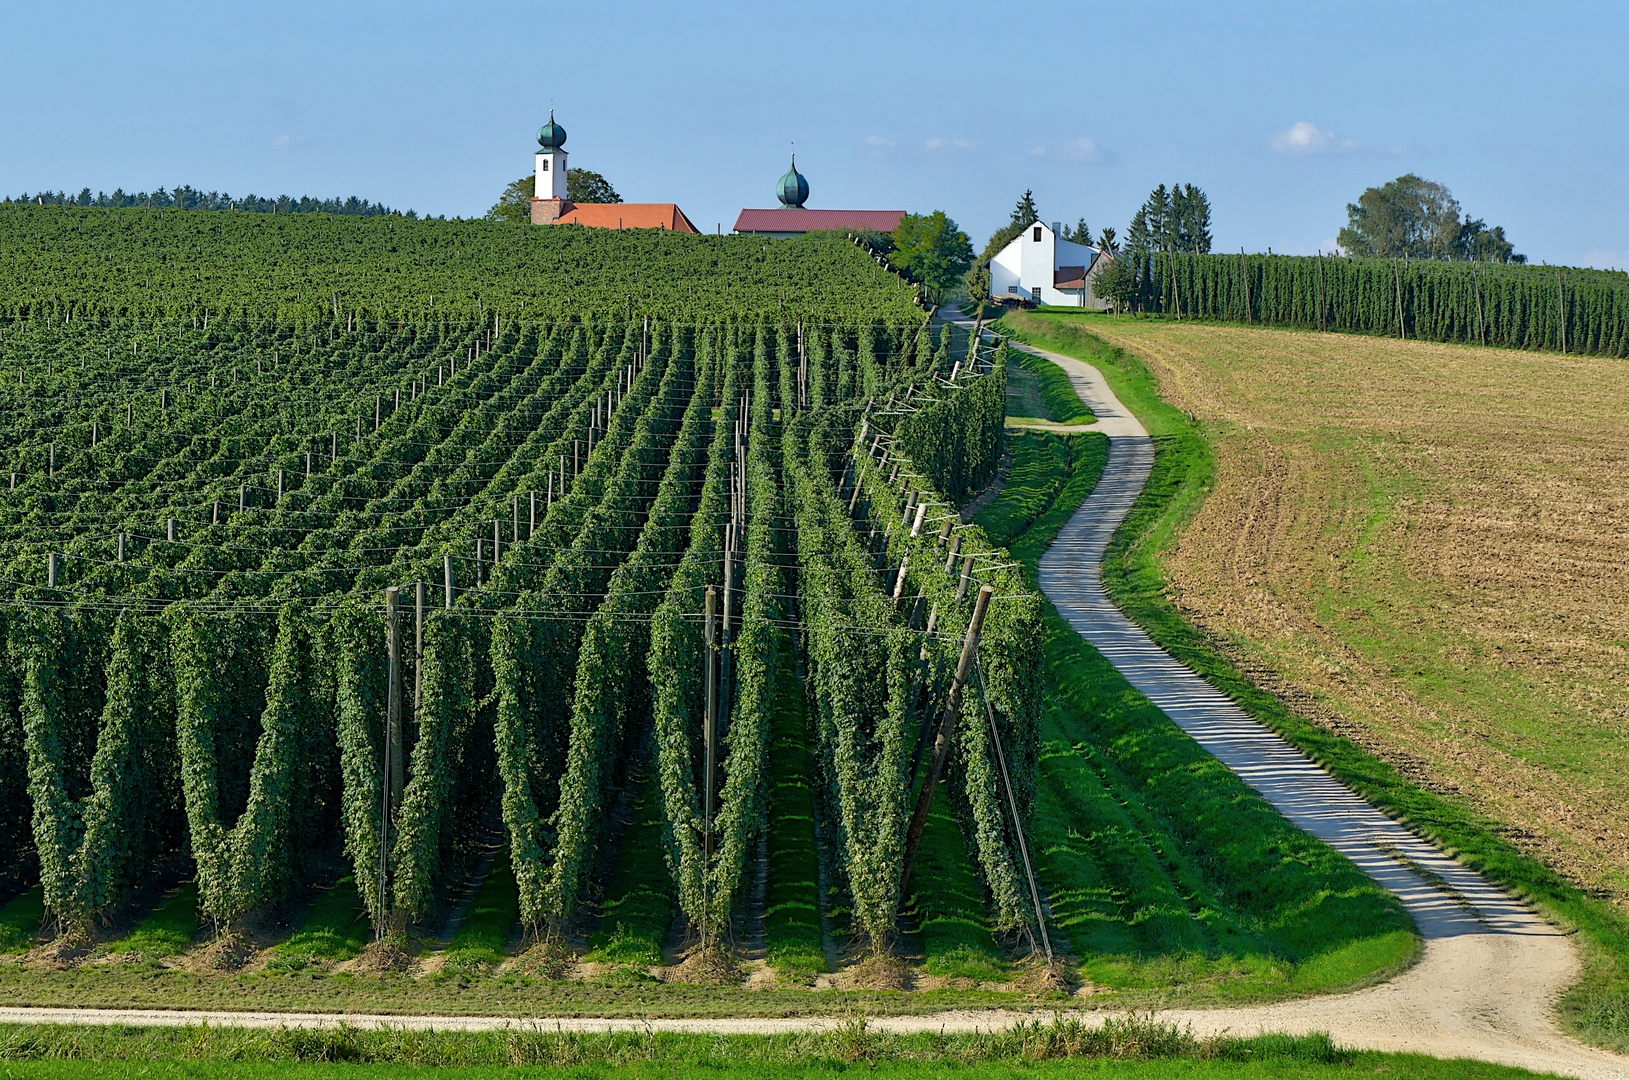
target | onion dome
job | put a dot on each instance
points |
(793, 189)
(551, 136)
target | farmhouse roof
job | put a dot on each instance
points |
(628, 216)
(1069, 277)
(793, 219)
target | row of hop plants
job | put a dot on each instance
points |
(256, 755)
(1562, 309)
(68, 263)
(551, 846)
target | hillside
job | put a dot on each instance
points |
(1421, 547)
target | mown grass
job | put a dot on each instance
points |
(639, 900)
(1052, 386)
(1134, 1048)
(483, 941)
(950, 904)
(336, 928)
(792, 934)
(1164, 869)
(1597, 1008)
(168, 931)
(1040, 464)
(20, 920)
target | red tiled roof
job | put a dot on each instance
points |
(793, 220)
(628, 216)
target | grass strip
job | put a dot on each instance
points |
(792, 934)
(20, 921)
(483, 941)
(1056, 392)
(1128, 1048)
(168, 931)
(639, 901)
(950, 902)
(1597, 1008)
(336, 928)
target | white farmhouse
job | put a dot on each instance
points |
(1043, 268)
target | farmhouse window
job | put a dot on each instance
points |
(1037, 237)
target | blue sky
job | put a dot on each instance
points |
(1282, 112)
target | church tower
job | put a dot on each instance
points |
(549, 200)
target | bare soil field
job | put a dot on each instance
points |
(1426, 548)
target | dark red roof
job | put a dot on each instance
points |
(794, 220)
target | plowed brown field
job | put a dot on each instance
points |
(1425, 547)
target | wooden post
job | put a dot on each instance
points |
(955, 550)
(51, 570)
(393, 700)
(967, 576)
(418, 647)
(388, 766)
(921, 515)
(942, 740)
(170, 530)
(899, 582)
(854, 496)
(497, 535)
(121, 547)
(447, 577)
(531, 528)
(709, 731)
(1012, 805)
(514, 536)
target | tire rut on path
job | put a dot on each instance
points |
(1491, 970)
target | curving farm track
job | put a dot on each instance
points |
(1491, 971)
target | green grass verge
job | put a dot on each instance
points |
(168, 931)
(1051, 384)
(950, 903)
(1597, 1008)
(1133, 1049)
(639, 900)
(483, 941)
(792, 935)
(336, 928)
(1164, 869)
(20, 920)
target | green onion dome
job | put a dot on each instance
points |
(551, 136)
(793, 189)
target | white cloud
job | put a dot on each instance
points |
(1086, 151)
(1305, 138)
(939, 145)
(879, 142)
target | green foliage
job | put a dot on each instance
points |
(1174, 221)
(175, 265)
(1522, 307)
(954, 430)
(1414, 218)
(582, 186)
(929, 248)
(792, 931)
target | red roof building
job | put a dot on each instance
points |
(797, 220)
(792, 218)
(627, 216)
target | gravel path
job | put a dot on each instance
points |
(1485, 986)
